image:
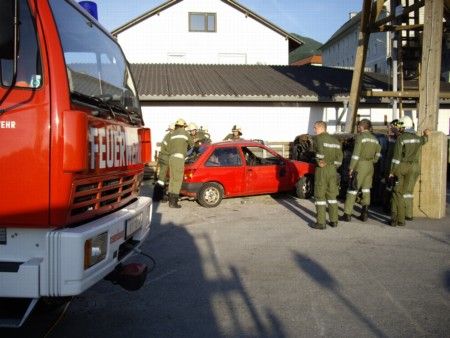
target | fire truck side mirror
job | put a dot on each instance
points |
(7, 29)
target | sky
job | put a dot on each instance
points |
(316, 19)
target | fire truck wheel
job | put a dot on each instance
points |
(210, 195)
(304, 188)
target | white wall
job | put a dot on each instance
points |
(266, 123)
(165, 38)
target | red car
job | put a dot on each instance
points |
(242, 168)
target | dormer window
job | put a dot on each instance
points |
(202, 22)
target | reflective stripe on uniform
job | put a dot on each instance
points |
(332, 145)
(355, 157)
(178, 155)
(352, 192)
(321, 203)
(160, 182)
(337, 163)
(184, 137)
(320, 156)
(332, 201)
(378, 154)
(395, 161)
(408, 196)
(365, 190)
(165, 143)
(365, 140)
(414, 140)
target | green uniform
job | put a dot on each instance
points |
(231, 136)
(200, 138)
(386, 170)
(163, 160)
(328, 149)
(406, 167)
(365, 153)
(180, 141)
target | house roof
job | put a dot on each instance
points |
(343, 30)
(182, 82)
(294, 42)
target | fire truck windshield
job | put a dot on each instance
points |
(96, 66)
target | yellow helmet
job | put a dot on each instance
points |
(236, 128)
(180, 122)
(191, 126)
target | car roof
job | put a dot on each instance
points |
(237, 143)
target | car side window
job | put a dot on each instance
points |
(258, 156)
(224, 157)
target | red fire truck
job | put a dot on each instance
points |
(72, 153)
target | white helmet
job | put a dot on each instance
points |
(406, 122)
(191, 126)
(180, 122)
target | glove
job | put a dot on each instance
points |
(353, 182)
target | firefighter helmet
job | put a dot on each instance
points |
(191, 126)
(236, 128)
(180, 122)
(406, 122)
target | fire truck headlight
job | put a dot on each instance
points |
(95, 250)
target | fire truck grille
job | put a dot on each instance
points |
(92, 197)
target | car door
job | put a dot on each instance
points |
(265, 171)
(226, 167)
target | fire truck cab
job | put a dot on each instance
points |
(72, 152)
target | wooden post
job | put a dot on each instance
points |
(430, 70)
(430, 190)
(360, 61)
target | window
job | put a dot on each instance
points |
(202, 22)
(255, 156)
(224, 157)
(95, 64)
(29, 73)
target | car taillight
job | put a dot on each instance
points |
(188, 174)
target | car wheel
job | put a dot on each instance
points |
(304, 187)
(210, 195)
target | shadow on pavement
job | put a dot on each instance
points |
(188, 294)
(321, 276)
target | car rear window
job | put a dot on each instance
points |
(194, 154)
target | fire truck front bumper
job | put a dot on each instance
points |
(66, 262)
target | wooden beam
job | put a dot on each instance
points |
(396, 28)
(360, 61)
(429, 81)
(405, 94)
(406, 11)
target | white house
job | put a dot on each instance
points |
(340, 49)
(204, 32)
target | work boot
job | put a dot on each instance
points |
(364, 213)
(173, 201)
(409, 218)
(158, 192)
(346, 218)
(333, 224)
(318, 226)
(392, 222)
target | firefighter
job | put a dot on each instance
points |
(328, 157)
(199, 137)
(163, 163)
(366, 152)
(392, 134)
(179, 143)
(235, 134)
(405, 167)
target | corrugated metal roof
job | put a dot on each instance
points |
(247, 82)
